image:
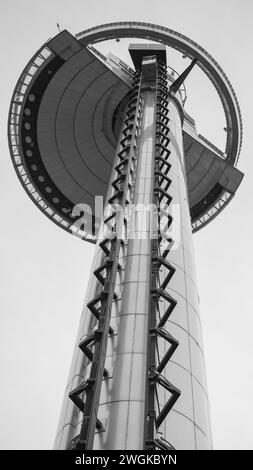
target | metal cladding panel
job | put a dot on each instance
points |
(72, 143)
(64, 45)
(205, 168)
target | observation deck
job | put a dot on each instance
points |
(65, 117)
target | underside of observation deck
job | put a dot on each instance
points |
(64, 123)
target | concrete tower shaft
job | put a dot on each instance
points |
(156, 283)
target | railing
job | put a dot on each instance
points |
(122, 65)
(209, 215)
(173, 75)
(221, 154)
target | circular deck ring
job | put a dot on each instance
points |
(192, 50)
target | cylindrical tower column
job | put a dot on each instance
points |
(121, 410)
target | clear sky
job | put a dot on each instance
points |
(45, 270)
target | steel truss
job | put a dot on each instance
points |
(155, 414)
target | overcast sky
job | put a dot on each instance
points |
(45, 270)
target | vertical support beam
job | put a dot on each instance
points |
(180, 80)
(150, 411)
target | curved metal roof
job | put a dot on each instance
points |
(61, 132)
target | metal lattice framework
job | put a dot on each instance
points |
(155, 413)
